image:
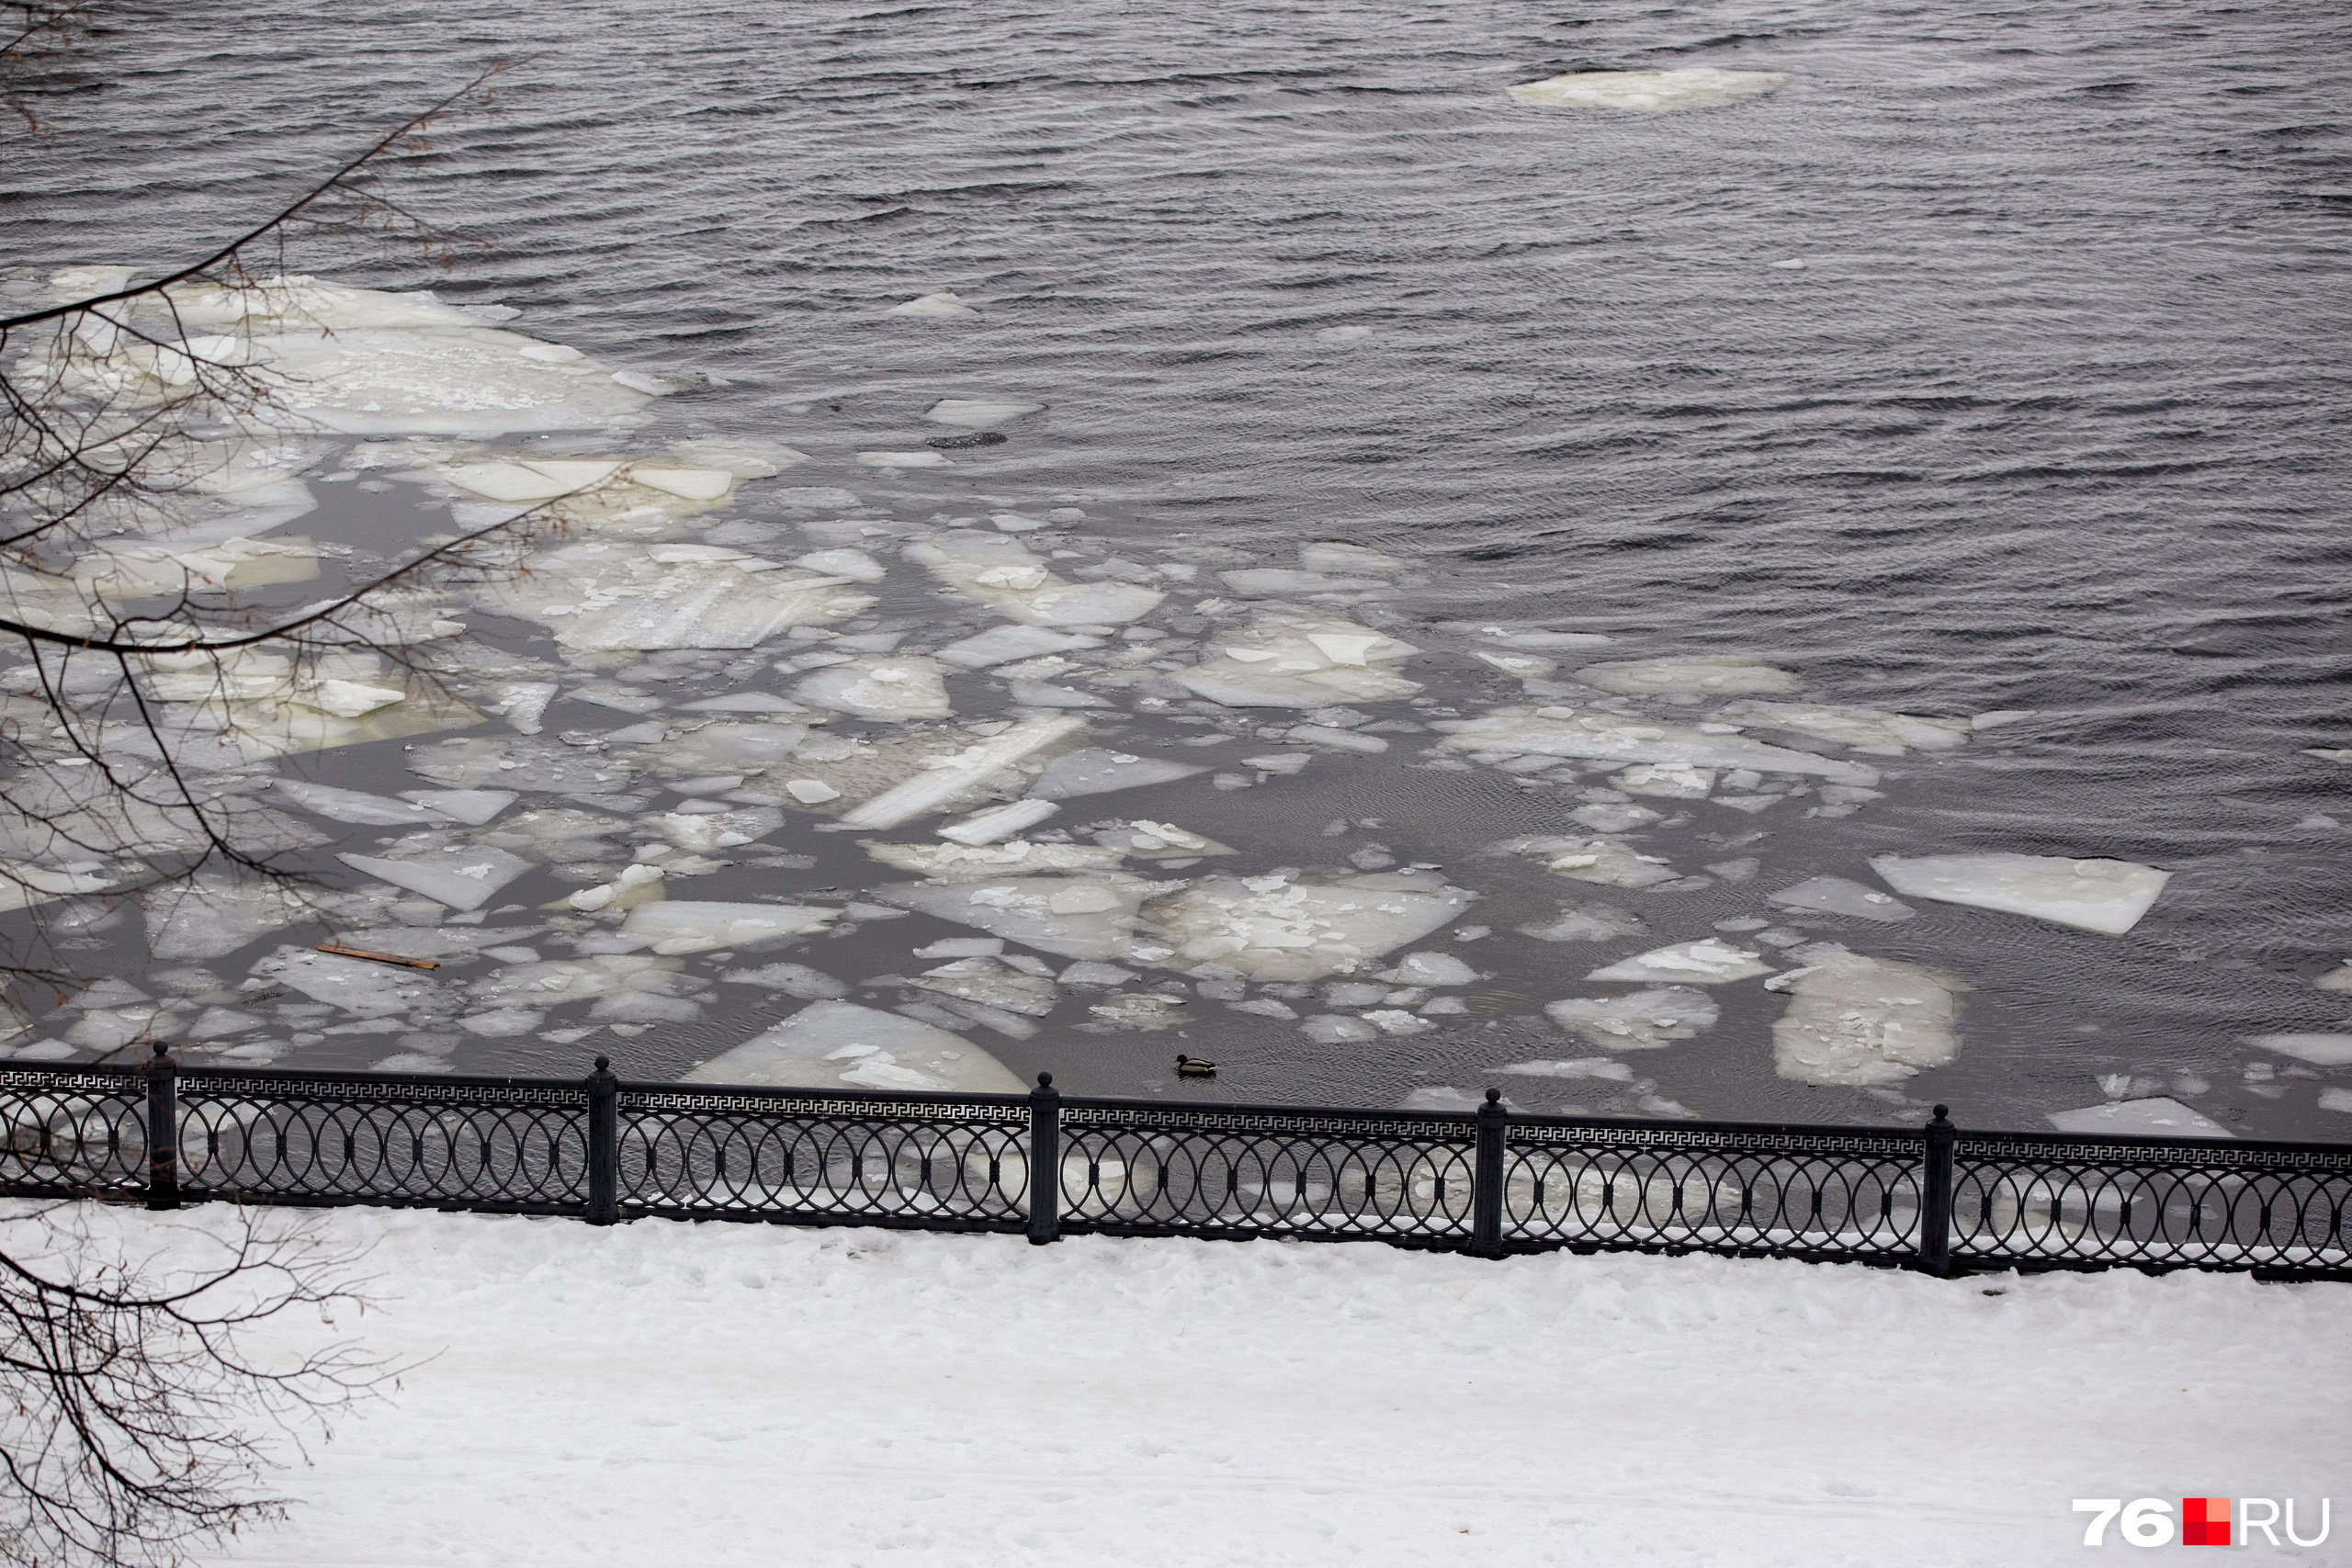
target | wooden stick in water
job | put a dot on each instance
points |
(342, 952)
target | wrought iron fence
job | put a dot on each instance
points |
(1931, 1198)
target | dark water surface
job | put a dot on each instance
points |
(2051, 418)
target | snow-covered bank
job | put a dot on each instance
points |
(662, 1393)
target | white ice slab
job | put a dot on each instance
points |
(1707, 962)
(1301, 661)
(1858, 1021)
(462, 877)
(974, 862)
(602, 595)
(354, 805)
(977, 413)
(1695, 675)
(1603, 860)
(2106, 896)
(1096, 771)
(896, 688)
(1647, 92)
(998, 822)
(1086, 918)
(940, 304)
(1432, 969)
(1871, 729)
(2157, 1118)
(1595, 922)
(2320, 1050)
(214, 914)
(471, 806)
(984, 980)
(954, 773)
(1000, 572)
(679, 926)
(837, 1044)
(1001, 645)
(355, 985)
(1281, 927)
(1835, 895)
(1608, 737)
(1643, 1021)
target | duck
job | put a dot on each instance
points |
(1194, 1067)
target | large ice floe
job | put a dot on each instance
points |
(599, 595)
(1000, 573)
(840, 1046)
(2106, 896)
(1641, 1020)
(1612, 736)
(2155, 1118)
(1858, 1021)
(1647, 92)
(1301, 661)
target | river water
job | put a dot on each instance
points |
(1993, 363)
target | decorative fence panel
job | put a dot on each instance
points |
(1489, 1184)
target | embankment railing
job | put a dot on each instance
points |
(1047, 1164)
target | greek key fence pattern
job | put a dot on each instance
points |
(1490, 1184)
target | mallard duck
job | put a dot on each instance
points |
(1194, 1067)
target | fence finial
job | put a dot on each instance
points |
(1045, 1080)
(1494, 1097)
(1943, 1113)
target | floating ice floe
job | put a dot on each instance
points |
(367, 363)
(2155, 1117)
(1159, 842)
(354, 805)
(677, 926)
(471, 806)
(23, 885)
(977, 863)
(977, 413)
(121, 570)
(924, 458)
(1835, 895)
(461, 875)
(2338, 979)
(1603, 860)
(1301, 661)
(1865, 730)
(1095, 772)
(1859, 1020)
(792, 979)
(1593, 922)
(1667, 780)
(1707, 962)
(1690, 676)
(2106, 896)
(1430, 969)
(2320, 1050)
(214, 915)
(998, 822)
(939, 305)
(903, 688)
(1076, 917)
(942, 774)
(1002, 645)
(985, 980)
(1575, 1068)
(601, 595)
(1645, 1020)
(1650, 92)
(998, 572)
(370, 990)
(838, 1044)
(1609, 736)
(1284, 927)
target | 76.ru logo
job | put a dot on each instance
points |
(2204, 1521)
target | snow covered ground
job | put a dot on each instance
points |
(662, 1393)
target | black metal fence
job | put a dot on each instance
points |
(1048, 1165)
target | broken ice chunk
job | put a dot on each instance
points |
(1038, 694)
(1645, 1020)
(902, 689)
(1280, 762)
(810, 792)
(2155, 1117)
(471, 806)
(1000, 572)
(1610, 817)
(2106, 896)
(945, 777)
(1707, 962)
(1594, 922)
(1672, 781)
(1650, 92)
(970, 862)
(214, 915)
(1835, 895)
(354, 806)
(855, 565)
(1001, 645)
(679, 926)
(1867, 728)
(522, 702)
(370, 990)
(1160, 841)
(1610, 736)
(461, 875)
(1578, 1068)
(1301, 661)
(999, 821)
(840, 1046)
(1091, 918)
(1604, 861)
(792, 979)
(977, 413)
(1277, 582)
(1337, 1029)
(990, 982)
(2320, 1050)
(1280, 926)
(1094, 772)
(1432, 969)
(1685, 676)
(2338, 979)
(614, 595)
(1859, 1021)
(1329, 556)
(922, 459)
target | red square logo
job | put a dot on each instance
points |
(2204, 1521)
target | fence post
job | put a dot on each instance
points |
(603, 1145)
(1935, 1196)
(1044, 1162)
(1487, 1179)
(162, 1130)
